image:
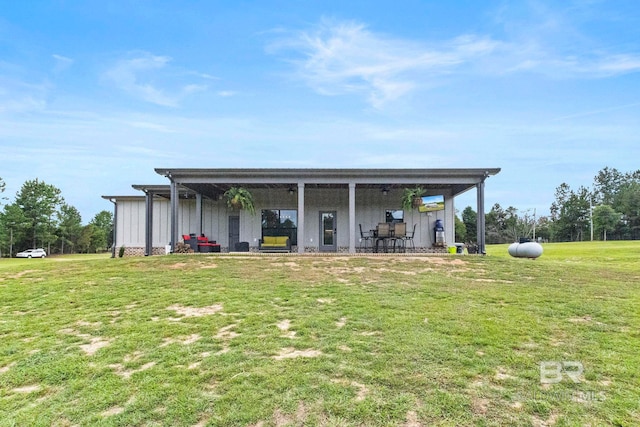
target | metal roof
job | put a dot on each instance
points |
(213, 182)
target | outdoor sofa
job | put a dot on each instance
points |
(275, 244)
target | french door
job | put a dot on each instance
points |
(328, 229)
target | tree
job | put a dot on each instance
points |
(3, 186)
(628, 203)
(103, 234)
(461, 230)
(13, 224)
(570, 213)
(606, 185)
(605, 219)
(85, 240)
(69, 227)
(501, 224)
(38, 202)
(470, 220)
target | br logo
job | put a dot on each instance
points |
(552, 372)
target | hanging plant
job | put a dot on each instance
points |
(412, 197)
(240, 198)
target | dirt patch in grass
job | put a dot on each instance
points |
(502, 374)
(551, 421)
(340, 323)
(292, 353)
(284, 325)
(362, 392)
(411, 420)
(22, 273)
(195, 311)
(6, 368)
(126, 374)
(480, 406)
(583, 319)
(177, 266)
(112, 411)
(88, 324)
(96, 344)
(280, 419)
(27, 389)
(186, 341)
(226, 334)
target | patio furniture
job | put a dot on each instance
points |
(399, 233)
(275, 244)
(190, 239)
(383, 234)
(408, 238)
(205, 245)
(365, 239)
(242, 247)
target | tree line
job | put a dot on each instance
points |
(39, 217)
(608, 210)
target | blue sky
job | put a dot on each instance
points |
(95, 94)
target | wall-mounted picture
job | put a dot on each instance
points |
(432, 203)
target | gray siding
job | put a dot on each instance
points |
(370, 210)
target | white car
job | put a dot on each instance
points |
(32, 253)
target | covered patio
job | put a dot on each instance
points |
(354, 197)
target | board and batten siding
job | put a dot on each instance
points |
(371, 205)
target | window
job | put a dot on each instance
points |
(280, 222)
(394, 215)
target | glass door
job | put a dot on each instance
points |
(328, 229)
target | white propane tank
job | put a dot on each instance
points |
(525, 250)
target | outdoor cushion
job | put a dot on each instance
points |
(275, 241)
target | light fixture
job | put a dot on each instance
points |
(291, 191)
(385, 191)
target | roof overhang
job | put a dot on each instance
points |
(213, 182)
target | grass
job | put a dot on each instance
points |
(339, 341)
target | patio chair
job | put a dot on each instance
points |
(409, 238)
(365, 239)
(399, 233)
(384, 234)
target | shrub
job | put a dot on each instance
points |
(121, 251)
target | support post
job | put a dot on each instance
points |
(301, 239)
(352, 217)
(148, 229)
(115, 227)
(480, 223)
(174, 214)
(199, 213)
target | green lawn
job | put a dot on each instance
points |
(196, 340)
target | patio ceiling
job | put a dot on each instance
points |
(212, 183)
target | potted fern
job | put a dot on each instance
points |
(240, 198)
(412, 197)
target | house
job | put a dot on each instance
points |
(321, 210)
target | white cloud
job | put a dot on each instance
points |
(226, 93)
(61, 63)
(153, 79)
(127, 74)
(17, 96)
(338, 57)
(346, 57)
